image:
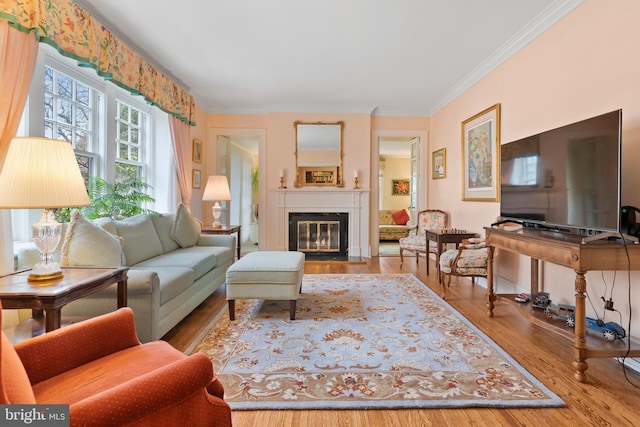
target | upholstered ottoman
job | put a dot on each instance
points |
(267, 275)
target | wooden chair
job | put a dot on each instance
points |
(470, 259)
(416, 239)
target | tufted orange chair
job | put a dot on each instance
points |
(99, 368)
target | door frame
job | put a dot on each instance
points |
(421, 186)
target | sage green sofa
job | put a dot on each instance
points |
(173, 268)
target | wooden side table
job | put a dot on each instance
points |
(50, 296)
(442, 237)
(225, 229)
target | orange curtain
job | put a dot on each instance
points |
(18, 54)
(180, 138)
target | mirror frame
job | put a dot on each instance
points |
(301, 170)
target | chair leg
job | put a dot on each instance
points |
(427, 261)
(417, 256)
(446, 281)
(401, 258)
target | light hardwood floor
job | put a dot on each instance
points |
(607, 399)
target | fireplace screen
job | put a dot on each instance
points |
(318, 236)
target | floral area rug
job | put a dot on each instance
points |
(363, 341)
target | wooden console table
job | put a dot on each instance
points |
(568, 251)
(226, 229)
(441, 238)
(50, 296)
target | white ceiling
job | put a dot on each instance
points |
(400, 57)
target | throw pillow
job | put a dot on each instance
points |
(141, 242)
(400, 217)
(88, 244)
(186, 228)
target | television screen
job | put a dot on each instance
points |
(567, 178)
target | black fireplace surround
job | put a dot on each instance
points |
(320, 235)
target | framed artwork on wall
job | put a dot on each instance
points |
(197, 150)
(439, 163)
(481, 156)
(400, 187)
(195, 178)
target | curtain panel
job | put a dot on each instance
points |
(75, 34)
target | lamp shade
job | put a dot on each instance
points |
(217, 188)
(41, 173)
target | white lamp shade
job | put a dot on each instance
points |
(41, 173)
(217, 188)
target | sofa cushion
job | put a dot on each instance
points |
(400, 217)
(201, 259)
(186, 228)
(87, 244)
(140, 238)
(173, 280)
(163, 224)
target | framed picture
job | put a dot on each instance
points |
(439, 163)
(195, 178)
(399, 187)
(481, 156)
(197, 150)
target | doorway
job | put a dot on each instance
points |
(398, 158)
(238, 156)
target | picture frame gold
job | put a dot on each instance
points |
(195, 178)
(439, 164)
(400, 187)
(481, 156)
(197, 150)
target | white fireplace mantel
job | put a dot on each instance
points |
(319, 199)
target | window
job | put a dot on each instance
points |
(69, 115)
(130, 137)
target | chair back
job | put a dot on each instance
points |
(15, 387)
(432, 219)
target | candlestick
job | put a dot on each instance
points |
(281, 173)
(282, 183)
(355, 183)
(355, 173)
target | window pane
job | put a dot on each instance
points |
(134, 116)
(82, 142)
(125, 171)
(64, 111)
(82, 117)
(85, 163)
(65, 86)
(48, 130)
(134, 154)
(134, 136)
(82, 94)
(65, 133)
(48, 107)
(124, 112)
(48, 79)
(123, 152)
(124, 132)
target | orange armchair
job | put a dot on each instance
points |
(107, 377)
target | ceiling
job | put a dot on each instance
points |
(380, 57)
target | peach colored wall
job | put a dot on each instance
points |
(585, 65)
(199, 131)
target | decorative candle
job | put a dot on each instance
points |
(281, 173)
(355, 173)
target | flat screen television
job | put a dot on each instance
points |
(565, 179)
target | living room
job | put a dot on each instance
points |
(582, 66)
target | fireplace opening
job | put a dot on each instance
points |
(320, 235)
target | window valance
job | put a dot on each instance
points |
(75, 34)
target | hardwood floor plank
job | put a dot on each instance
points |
(607, 399)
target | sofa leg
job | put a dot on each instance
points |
(232, 309)
(292, 309)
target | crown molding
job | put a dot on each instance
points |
(548, 17)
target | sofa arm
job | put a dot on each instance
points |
(147, 394)
(59, 351)
(225, 240)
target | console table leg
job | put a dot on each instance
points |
(580, 331)
(490, 295)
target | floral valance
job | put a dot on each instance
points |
(75, 34)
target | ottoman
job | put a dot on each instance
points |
(266, 275)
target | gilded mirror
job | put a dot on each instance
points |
(318, 154)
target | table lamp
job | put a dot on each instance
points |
(42, 173)
(217, 189)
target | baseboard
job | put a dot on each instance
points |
(630, 363)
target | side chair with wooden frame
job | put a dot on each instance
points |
(416, 239)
